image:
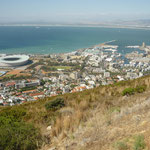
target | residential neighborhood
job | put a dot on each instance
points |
(56, 74)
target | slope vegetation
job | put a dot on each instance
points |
(113, 117)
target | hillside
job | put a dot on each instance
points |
(97, 119)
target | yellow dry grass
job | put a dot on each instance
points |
(17, 72)
(105, 128)
(96, 118)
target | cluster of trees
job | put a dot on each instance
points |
(47, 68)
(50, 63)
(28, 88)
(35, 65)
(55, 104)
(132, 91)
(14, 77)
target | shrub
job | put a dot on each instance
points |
(55, 104)
(18, 135)
(15, 134)
(115, 109)
(121, 83)
(121, 146)
(139, 143)
(128, 91)
(140, 89)
(131, 91)
(15, 113)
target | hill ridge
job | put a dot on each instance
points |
(93, 119)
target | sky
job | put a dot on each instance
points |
(72, 11)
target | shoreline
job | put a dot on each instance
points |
(93, 46)
(82, 26)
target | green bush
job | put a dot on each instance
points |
(139, 143)
(121, 146)
(18, 136)
(140, 89)
(15, 134)
(128, 91)
(121, 83)
(15, 113)
(55, 104)
(131, 91)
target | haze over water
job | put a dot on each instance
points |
(48, 40)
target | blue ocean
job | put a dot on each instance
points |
(48, 40)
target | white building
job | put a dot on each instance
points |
(14, 60)
(106, 74)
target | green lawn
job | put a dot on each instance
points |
(62, 67)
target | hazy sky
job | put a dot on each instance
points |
(72, 11)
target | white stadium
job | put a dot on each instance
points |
(14, 60)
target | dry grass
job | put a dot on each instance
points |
(111, 118)
(66, 124)
(95, 118)
(101, 134)
(18, 73)
(83, 105)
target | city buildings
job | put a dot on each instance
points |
(51, 75)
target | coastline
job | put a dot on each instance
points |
(80, 49)
(76, 26)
